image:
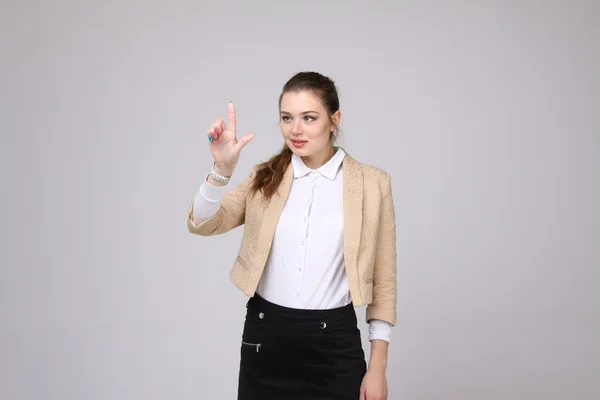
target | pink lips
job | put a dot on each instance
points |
(299, 143)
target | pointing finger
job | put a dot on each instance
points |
(231, 112)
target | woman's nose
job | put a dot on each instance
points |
(297, 128)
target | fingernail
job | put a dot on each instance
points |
(210, 138)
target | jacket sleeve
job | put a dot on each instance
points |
(383, 306)
(231, 213)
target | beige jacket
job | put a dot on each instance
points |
(369, 235)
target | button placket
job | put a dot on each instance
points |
(302, 248)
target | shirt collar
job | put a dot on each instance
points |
(328, 170)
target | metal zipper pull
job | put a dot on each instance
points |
(257, 345)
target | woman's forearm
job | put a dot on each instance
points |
(379, 354)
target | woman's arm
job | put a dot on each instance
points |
(216, 215)
(379, 355)
(383, 306)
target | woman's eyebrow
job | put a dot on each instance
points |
(302, 113)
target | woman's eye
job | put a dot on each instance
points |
(307, 118)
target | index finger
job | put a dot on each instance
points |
(231, 112)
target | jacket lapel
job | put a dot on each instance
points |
(271, 215)
(353, 203)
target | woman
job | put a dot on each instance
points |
(319, 239)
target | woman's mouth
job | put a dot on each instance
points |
(299, 143)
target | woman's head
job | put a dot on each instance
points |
(309, 111)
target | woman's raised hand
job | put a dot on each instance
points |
(224, 145)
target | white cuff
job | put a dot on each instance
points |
(207, 201)
(212, 193)
(380, 330)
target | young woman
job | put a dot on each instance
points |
(319, 239)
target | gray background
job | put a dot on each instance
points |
(484, 113)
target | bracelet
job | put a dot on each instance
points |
(217, 177)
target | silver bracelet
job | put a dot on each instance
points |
(217, 177)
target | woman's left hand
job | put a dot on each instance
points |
(374, 385)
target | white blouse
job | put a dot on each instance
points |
(305, 268)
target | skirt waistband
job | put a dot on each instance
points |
(262, 310)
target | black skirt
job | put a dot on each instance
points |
(297, 354)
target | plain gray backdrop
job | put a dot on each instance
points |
(485, 113)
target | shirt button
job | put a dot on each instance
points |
(309, 200)
(304, 219)
(261, 315)
(302, 242)
(297, 294)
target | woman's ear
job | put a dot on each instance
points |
(335, 118)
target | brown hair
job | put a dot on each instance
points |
(269, 174)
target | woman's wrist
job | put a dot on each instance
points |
(219, 176)
(379, 355)
(224, 170)
(213, 182)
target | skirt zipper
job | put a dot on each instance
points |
(257, 345)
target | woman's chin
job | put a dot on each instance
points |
(301, 151)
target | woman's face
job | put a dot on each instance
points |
(305, 125)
